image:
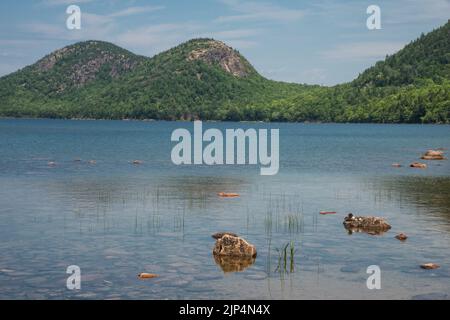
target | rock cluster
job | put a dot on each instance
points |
(370, 224)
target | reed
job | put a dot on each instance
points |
(286, 258)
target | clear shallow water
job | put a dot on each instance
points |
(115, 219)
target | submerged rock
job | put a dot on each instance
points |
(233, 246)
(327, 212)
(433, 155)
(371, 225)
(401, 237)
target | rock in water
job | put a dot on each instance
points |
(231, 246)
(145, 275)
(228, 195)
(430, 266)
(371, 225)
(401, 237)
(219, 235)
(418, 165)
(433, 155)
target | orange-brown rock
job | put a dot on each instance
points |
(433, 155)
(418, 165)
(144, 275)
(401, 237)
(232, 246)
(228, 195)
(430, 266)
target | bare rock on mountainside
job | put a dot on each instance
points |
(87, 60)
(217, 52)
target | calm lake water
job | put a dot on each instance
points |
(114, 219)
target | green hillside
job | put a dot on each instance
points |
(206, 79)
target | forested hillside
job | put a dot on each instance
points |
(206, 79)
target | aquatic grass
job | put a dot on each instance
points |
(286, 254)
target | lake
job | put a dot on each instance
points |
(115, 219)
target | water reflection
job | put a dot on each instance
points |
(233, 264)
(429, 195)
(352, 230)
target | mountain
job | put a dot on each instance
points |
(425, 58)
(206, 79)
(96, 79)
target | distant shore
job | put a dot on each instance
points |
(221, 121)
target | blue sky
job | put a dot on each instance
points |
(306, 41)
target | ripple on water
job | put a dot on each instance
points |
(256, 276)
(351, 269)
(431, 296)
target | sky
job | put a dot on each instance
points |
(305, 41)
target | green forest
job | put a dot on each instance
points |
(205, 79)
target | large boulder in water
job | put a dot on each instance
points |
(229, 245)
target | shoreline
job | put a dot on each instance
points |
(221, 121)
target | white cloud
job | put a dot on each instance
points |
(236, 33)
(263, 11)
(236, 38)
(416, 11)
(152, 39)
(135, 10)
(363, 50)
(64, 2)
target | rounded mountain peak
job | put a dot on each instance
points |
(214, 52)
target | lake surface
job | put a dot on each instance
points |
(115, 220)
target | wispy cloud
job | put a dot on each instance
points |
(417, 11)
(152, 39)
(93, 26)
(264, 11)
(63, 2)
(363, 50)
(135, 10)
